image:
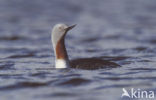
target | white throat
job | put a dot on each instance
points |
(61, 63)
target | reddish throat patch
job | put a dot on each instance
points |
(61, 52)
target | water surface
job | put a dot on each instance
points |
(122, 31)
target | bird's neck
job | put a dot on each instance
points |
(62, 60)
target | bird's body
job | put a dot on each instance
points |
(92, 63)
(61, 57)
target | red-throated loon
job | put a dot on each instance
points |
(61, 57)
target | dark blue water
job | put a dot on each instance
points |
(123, 31)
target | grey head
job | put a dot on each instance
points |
(59, 31)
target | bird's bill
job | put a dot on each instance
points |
(70, 27)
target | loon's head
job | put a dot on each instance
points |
(59, 31)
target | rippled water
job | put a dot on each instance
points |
(122, 31)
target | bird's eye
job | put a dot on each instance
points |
(61, 28)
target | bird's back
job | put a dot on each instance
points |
(92, 63)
